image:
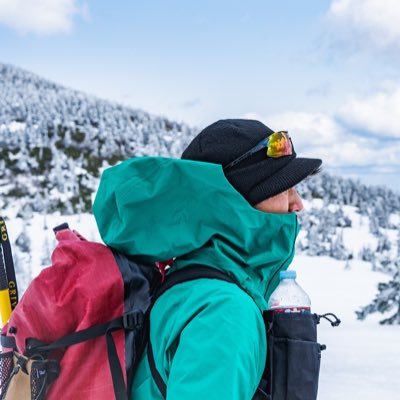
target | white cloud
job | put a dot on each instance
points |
(40, 16)
(322, 136)
(377, 113)
(377, 20)
(309, 132)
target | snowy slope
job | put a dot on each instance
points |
(362, 359)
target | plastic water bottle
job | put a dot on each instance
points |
(289, 297)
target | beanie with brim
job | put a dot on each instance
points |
(257, 177)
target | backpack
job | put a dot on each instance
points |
(82, 325)
(79, 328)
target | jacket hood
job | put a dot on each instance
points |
(157, 208)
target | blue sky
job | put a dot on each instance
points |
(326, 70)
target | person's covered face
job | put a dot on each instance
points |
(282, 203)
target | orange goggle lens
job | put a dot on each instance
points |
(279, 145)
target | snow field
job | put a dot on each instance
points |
(362, 359)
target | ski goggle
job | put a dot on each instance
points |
(278, 144)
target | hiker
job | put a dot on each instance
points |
(230, 205)
(224, 216)
(208, 336)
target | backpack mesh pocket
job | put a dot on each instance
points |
(6, 368)
(39, 380)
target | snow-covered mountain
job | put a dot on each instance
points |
(54, 143)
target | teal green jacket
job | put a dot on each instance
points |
(208, 336)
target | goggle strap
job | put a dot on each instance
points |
(259, 146)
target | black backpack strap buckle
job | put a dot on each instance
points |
(8, 342)
(21, 363)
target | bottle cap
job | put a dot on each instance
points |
(287, 275)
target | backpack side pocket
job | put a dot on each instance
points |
(295, 366)
(294, 356)
(23, 378)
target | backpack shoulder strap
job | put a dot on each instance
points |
(184, 275)
(191, 273)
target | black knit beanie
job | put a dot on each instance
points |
(257, 177)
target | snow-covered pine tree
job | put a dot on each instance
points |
(398, 243)
(387, 299)
(374, 225)
(367, 254)
(46, 251)
(338, 249)
(22, 259)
